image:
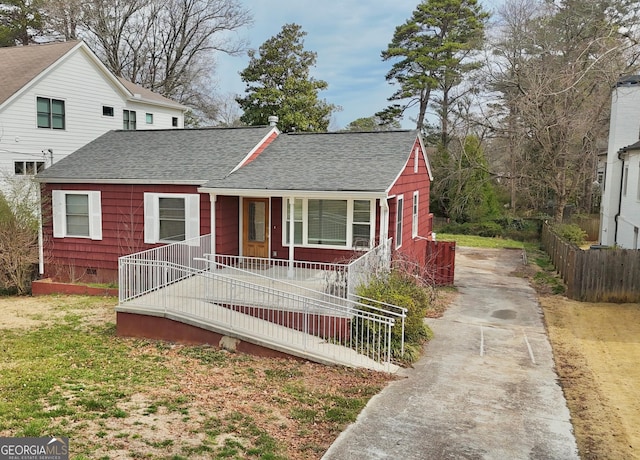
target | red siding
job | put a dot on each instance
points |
(228, 225)
(89, 261)
(407, 183)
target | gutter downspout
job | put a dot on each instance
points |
(621, 152)
(40, 234)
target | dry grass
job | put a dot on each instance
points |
(597, 350)
(64, 372)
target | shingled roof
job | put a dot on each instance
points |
(359, 162)
(188, 156)
(19, 65)
(341, 161)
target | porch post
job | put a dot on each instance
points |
(213, 198)
(292, 232)
(384, 227)
(384, 220)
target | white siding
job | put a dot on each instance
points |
(624, 130)
(85, 88)
(629, 218)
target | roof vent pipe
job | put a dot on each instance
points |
(273, 120)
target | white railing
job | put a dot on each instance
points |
(327, 277)
(275, 301)
(374, 263)
(146, 271)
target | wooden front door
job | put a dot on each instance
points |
(255, 227)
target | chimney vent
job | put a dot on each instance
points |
(273, 120)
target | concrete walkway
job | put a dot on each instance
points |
(486, 388)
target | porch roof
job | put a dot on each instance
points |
(184, 156)
(329, 162)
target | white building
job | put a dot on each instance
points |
(620, 209)
(55, 98)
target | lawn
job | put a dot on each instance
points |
(484, 242)
(64, 372)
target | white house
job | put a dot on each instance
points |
(55, 98)
(620, 209)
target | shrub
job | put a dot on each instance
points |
(18, 241)
(572, 233)
(402, 290)
(488, 228)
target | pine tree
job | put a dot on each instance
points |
(278, 82)
(432, 48)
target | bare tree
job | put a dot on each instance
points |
(228, 111)
(555, 80)
(167, 46)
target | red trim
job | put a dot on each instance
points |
(260, 149)
(47, 287)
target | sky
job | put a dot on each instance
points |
(348, 37)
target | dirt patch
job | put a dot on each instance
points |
(597, 350)
(209, 399)
(27, 312)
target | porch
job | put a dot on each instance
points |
(304, 309)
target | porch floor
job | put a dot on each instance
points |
(202, 302)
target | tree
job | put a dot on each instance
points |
(372, 123)
(278, 82)
(167, 46)
(228, 113)
(433, 47)
(556, 81)
(19, 222)
(20, 21)
(464, 190)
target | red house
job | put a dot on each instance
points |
(176, 199)
(130, 191)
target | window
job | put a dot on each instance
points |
(361, 223)
(174, 122)
(149, 118)
(625, 180)
(77, 214)
(327, 222)
(27, 168)
(415, 160)
(50, 113)
(128, 119)
(399, 211)
(297, 222)
(336, 223)
(171, 217)
(414, 221)
(107, 111)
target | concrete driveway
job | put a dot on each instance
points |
(486, 388)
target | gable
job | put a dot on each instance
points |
(416, 169)
(340, 162)
(22, 64)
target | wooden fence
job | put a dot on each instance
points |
(441, 262)
(594, 275)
